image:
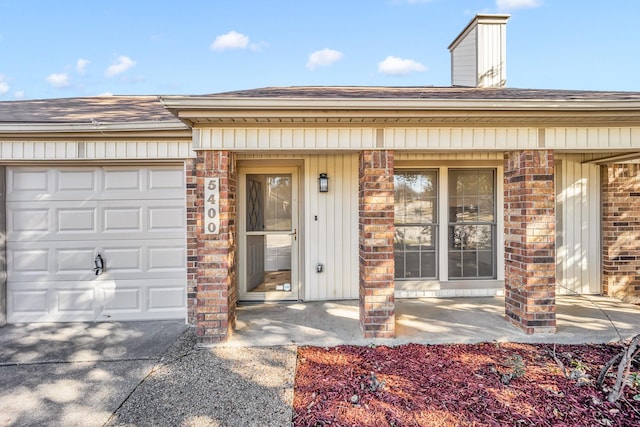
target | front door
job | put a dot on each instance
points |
(268, 234)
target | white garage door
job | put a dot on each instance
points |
(60, 219)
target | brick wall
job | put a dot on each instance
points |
(621, 231)
(529, 219)
(211, 259)
(376, 199)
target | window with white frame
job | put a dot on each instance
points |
(469, 196)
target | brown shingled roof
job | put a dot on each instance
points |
(427, 92)
(104, 109)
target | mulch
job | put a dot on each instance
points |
(487, 384)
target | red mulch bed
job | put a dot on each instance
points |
(456, 385)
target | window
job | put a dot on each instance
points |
(416, 222)
(465, 205)
(472, 223)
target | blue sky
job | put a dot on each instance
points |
(53, 49)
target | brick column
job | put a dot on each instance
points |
(529, 217)
(621, 231)
(211, 258)
(377, 305)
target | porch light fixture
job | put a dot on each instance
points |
(323, 183)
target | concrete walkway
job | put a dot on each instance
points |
(591, 319)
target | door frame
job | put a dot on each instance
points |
(297, 272)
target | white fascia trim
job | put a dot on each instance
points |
(182, 105)
(98, 127)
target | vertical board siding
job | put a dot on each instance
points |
(449, 156)
(284, 138)
(461, 138)
(578, 234)
(94, 150)
(491, 51)
(332, 240)
(592, 138)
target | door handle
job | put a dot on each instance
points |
(99, 265)
(294, 234)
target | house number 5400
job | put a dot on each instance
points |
(211, 205)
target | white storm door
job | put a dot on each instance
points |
(269, 234)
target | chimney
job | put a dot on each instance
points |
(479, 53)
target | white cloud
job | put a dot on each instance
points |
(122, 64)
(231, 40)
(81, 65)
(517, 4)
(323, 58)
(58, 80)
(106, 94)
(4, 86)
(19, 94)
(395, 66)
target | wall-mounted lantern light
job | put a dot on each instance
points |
(323, 183)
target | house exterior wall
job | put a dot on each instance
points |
(95, 150)
(578, 214)
(621, 231)
(332, 239)
(3, 249)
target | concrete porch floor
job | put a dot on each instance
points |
(590, 319)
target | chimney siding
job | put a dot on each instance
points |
(478, 54)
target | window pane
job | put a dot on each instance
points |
(414, 248)
(455, 264)
(485, 264)
(415, 195)
(428, 264)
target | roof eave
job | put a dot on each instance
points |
(94, 127)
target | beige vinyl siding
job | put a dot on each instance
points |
(284, 138)
(94, 150)
(332, 240)
(607, 138)
(463, 67)
(461, 138)
(491, 54)
(577, 224)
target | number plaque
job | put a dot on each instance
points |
(211, 205)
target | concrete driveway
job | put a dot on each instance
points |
(138, 374)
(76, 373)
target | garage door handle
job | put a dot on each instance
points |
(100, 264)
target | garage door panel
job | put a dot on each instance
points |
(42, 302)
(147, 299)
(95, 220)
(77, 220)
(162, 179)
(84, 181)
(122, 219)
(59, 219)
(106, 183)
(27, 261)
(69, 260)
